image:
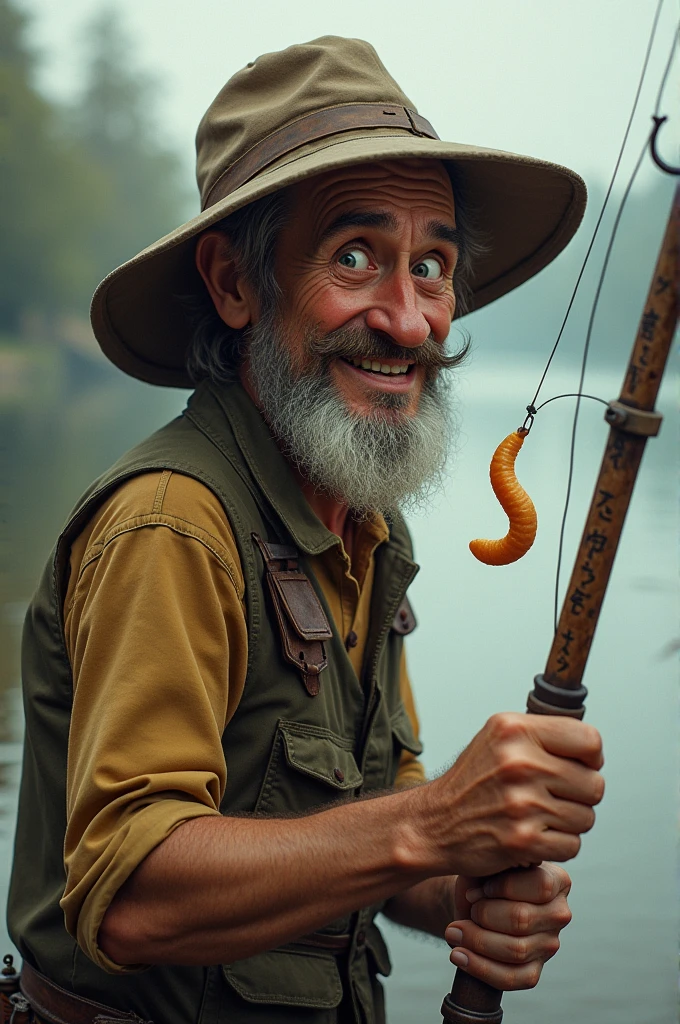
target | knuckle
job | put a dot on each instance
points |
(589, 820)
(549, 887)
(552, 945)
(507, 725)
(521, 918)
(598, 789)
(517, 805)
(561, 877)
(520, 951)
(593, 738)
(563, 916)
(521, 840)
(533, 975)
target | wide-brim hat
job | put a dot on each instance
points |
(301, 112)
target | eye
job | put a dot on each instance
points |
(355, 259)
(429, 268)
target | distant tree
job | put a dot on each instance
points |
(42, 184)
(82, 188)
(116, 123)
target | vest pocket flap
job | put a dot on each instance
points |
(403, 732)
(377, 947)
(287, 978)
(302, 605)
(321, 754)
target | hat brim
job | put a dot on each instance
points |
(527, 210)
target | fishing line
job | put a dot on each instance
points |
(606, 199)
(591, 320)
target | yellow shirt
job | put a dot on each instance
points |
(156, 634)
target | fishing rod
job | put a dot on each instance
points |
(632, 419)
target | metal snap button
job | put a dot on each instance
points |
(352, 639)
(339, 774)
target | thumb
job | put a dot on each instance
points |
(464, 884)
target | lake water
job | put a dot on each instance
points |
(484, 633)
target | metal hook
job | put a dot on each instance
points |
(658, 121)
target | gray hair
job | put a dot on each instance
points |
(251, 233)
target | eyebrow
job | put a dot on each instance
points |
(437, 229)
(359, 219)
(445, 233)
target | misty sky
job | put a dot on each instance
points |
(545, 77)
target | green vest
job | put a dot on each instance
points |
(286, 751)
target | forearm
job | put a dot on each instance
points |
(221, 889)
(426, 906)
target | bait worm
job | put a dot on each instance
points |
(516, 503)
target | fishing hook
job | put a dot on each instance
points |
(658, 121)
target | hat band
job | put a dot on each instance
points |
(317, 125)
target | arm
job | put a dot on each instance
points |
(221, 889)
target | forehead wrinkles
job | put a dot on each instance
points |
(425, 185)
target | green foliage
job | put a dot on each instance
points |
(83, 189)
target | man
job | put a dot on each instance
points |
(214, 669)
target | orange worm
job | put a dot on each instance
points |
(516, 503)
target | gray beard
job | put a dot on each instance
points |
(382, 462)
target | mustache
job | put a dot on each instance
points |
(364, 343)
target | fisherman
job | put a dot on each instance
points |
(221, 785)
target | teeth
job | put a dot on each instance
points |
(376, 367)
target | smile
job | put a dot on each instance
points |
(374, 366)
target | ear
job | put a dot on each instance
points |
(234, 300)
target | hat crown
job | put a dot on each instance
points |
(281, 87)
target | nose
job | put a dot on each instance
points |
(396, 311)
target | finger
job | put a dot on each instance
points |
(514, 917)
(567, 737)
(465, 884)
(505, 977)
(573, 781)
(567, 816)
(507, 949)
(539, 884)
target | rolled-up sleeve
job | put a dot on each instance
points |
(156, 634)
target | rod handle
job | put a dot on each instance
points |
(472, 1001)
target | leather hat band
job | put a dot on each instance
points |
(317, 125)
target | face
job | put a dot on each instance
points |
(365, 265)
(346, 367)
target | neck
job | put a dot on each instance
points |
(333, 514)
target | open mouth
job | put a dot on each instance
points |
(387, 369)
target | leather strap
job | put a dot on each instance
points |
(53, 1003)
(317, 125)
(302, 621)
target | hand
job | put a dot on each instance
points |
(522, 792)
(505, 932)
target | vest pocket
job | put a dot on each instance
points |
(309, 766)
(282, 977)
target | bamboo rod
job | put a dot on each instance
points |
(559, 691)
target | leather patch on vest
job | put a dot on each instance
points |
(404, 621)
(301, 618)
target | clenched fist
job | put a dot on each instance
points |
(522, 792)
(508, 926)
